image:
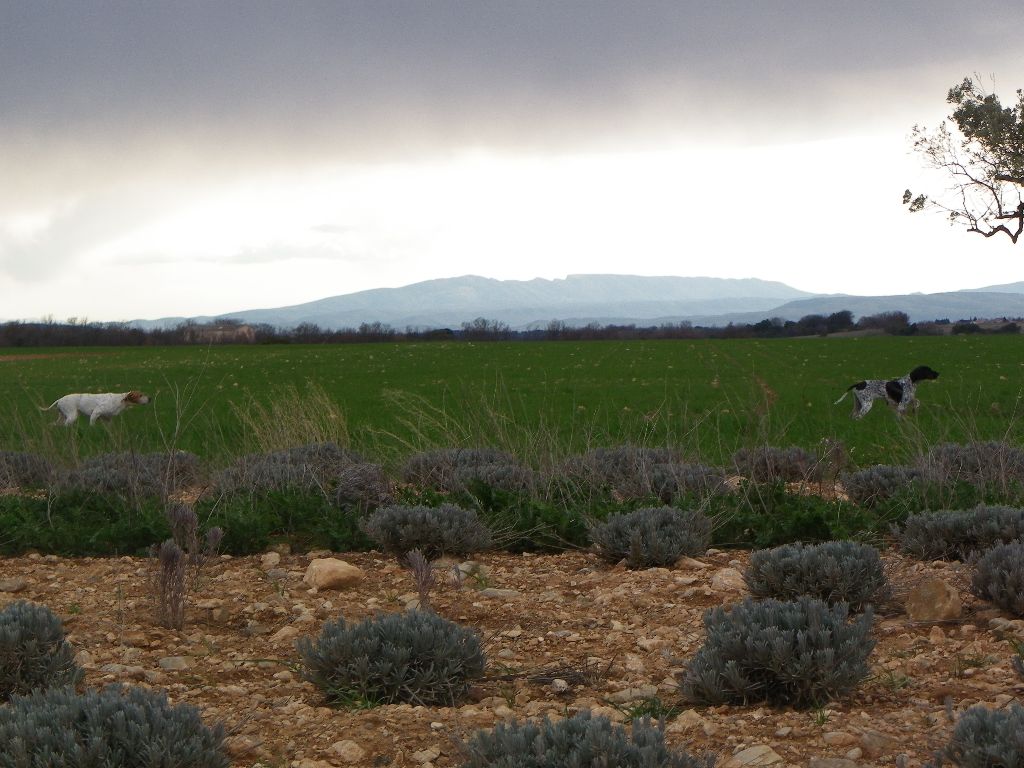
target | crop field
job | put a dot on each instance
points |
(540, 400)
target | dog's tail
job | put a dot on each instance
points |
(49, 407)
(837, 402)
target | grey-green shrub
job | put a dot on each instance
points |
(768, 464)
(986, 738)
(439, 469)
(581, 740)
(833, 571)
(434, 531)
(414, 657)
(670, 481)
(362, 485)
(799, 653)
(956, 534)
(651, 536)
(510, 478)
(871, 486)
(999, 576)
(34, 653)
(134, 475)
(24, 470)
(133, 728)
(992, 464)
(311, 467)
(627, 471)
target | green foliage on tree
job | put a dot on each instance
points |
(983, 155)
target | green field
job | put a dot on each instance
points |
(539, 399)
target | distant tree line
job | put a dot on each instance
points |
(74, 332)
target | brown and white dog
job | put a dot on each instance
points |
(101, 406)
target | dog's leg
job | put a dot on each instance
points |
(863, 406)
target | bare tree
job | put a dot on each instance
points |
(984, 157)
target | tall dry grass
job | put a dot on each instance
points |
(291, 417)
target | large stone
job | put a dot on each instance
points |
(348, 751)
(331, 573)
(831, 762)
(933, 600)
(287, 632)
(690, 720)
(759, 754)
(270, 560)
(728, 580)
(876, 744)
(687, 563)
(243, 745)
(14, 584)
(633, 694)
(426, 755)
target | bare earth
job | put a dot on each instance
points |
(629, 631)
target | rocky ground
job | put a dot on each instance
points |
(562, 632)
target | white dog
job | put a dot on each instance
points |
(102, 406)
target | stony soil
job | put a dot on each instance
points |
(615, 637)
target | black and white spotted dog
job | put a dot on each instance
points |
(898, 392)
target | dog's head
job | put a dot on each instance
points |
(136, 398)
(923, 372)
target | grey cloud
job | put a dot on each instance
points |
(262, 255)
(364, 74)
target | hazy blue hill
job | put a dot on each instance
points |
(606, 299)
(452, 301)
(1005, 288)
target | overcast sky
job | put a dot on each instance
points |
(181, 158)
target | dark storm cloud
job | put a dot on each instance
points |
(111, 112)
(364, 74)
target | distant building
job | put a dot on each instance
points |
(220, 333)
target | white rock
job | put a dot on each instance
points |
(426, 755)
(759, 754)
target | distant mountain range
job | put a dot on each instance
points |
(609, 299)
